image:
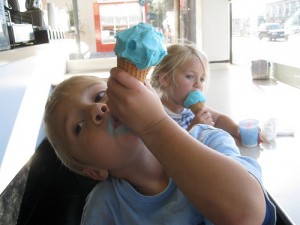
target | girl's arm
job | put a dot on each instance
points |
(211, 117)
(224, 122)
(219, 187)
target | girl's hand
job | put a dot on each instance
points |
(203, 116)
(135, 104)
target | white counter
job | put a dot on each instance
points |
(25, 78)
(233, 92)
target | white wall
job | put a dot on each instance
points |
(26, 75)
(215, 29)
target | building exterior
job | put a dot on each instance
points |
(281, 11)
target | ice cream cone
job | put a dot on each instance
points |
(196, 107)
(130, 68)
(195, 101)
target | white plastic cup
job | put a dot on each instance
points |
(249, 132)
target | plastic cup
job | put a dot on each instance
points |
(249, 132)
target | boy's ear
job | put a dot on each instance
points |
(96, 174)
(164, 80)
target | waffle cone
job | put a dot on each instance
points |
(130, 68)
(196, 107)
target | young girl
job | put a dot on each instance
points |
(137, 154)
(184, 69)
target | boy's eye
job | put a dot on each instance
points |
(100, 96)
(190, 76)
(202, 80)
(78, 128)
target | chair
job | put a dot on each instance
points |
(53, 194)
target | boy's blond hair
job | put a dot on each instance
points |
(62, 90)
(177, 55)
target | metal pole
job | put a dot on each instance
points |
(77, 55)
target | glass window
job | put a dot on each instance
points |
(268, 30)
(111, 17)
(179, 20)
(99, 21)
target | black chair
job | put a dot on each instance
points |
(53, 194)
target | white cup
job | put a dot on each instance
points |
(249, 131)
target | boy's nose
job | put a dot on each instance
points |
(98, 112)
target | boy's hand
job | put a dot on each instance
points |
(135, 104)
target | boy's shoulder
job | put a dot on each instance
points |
(101, 187)
(216, 139)
(203, 131)
(101, 193)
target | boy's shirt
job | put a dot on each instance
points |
(115, 201)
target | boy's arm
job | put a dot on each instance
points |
(219, 187)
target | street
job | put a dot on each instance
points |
(248, 48)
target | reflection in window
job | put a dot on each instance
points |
(175, 19)
(118, 17)
(113, 16)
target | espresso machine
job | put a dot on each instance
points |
(4, 36)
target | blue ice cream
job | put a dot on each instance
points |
(142, 45)
(194, 100)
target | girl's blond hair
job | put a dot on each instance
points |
(177, 55)
(62, 90)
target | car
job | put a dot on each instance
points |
(273, 31)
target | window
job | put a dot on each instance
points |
(205, 22)
(112, 17)
(100, 20)
(268, 30)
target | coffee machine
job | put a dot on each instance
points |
(4, 36)
(19, 24)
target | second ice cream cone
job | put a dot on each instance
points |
(196, 107)
(195, 101)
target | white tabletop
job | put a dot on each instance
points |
(233, 92)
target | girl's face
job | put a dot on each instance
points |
(91, 133)
(188, 77)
